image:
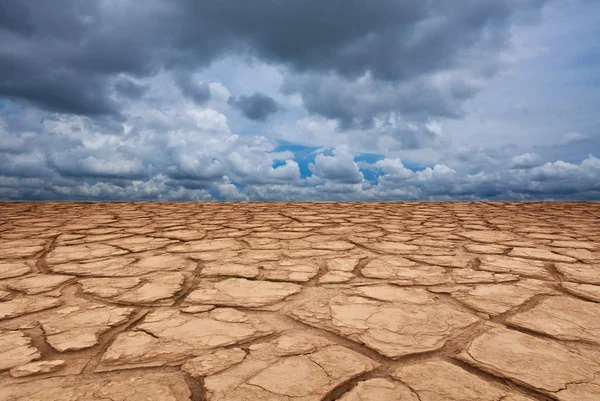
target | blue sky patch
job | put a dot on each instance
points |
(303, 155)
(278, 163)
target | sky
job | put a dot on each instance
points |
(282, 100)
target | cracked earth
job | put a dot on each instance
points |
(300, 301)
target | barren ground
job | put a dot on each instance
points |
(300, 301)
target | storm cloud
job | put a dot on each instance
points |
(256, 107)
(61, 55)
(197, 91)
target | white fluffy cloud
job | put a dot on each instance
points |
(186, 153)
(571, 138)
(526, 160)
(191, 153)
(339, 168)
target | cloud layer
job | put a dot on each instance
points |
(311, 100)
(436, 51)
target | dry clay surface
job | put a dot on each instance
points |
(300, 301)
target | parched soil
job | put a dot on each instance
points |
(300, 301)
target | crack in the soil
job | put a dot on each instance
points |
(41, 264)
(192, 284)
(110, 336)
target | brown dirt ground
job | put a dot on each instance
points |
(300, 301)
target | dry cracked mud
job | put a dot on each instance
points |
(300, 301)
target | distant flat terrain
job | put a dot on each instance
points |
(300, 301)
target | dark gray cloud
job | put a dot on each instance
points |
(15, 17)
(199, 92)
(392, 39)
(59, 55)
(130, 89)
(428, 57)
(356, 104)
(71, 52)
(257, 106)
(60, 90)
